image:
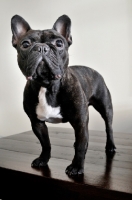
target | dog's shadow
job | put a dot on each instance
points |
(105, 179)
(45, 171)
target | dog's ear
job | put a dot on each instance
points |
(19, 28)
(63, 26)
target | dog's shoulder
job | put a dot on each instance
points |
(83, 72)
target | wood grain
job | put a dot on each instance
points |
(103, 178)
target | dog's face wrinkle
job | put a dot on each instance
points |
(32, 62)
(53, 58)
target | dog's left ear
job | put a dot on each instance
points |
(19, 28)
(63, 26)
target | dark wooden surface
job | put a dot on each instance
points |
(103, 178)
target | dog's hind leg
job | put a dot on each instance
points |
(105, 108)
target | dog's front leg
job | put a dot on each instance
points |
(41, 131)
(81, 145)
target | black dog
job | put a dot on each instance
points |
(57, 93)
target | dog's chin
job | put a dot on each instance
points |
(44, 79)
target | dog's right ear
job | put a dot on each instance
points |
(63, 26)
(19, 28)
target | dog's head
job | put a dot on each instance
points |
(42, 54)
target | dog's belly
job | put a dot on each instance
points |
(46, 112)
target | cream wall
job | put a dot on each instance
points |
(102, 39)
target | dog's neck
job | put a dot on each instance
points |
(54, 86)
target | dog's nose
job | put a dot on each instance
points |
(42, 48)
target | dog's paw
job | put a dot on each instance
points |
(74, 170)
(110, 149)
(39, 162)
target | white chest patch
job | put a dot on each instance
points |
(46, 112)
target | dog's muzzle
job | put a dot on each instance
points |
(43, 53)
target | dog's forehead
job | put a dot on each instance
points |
(33, 35)
(51, 34)
(42, 35)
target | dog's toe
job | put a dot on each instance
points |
(74, 170)
(39, 162)
(110, 149)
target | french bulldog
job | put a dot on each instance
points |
(57, 93)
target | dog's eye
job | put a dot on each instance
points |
(59, 43)
(25, 44)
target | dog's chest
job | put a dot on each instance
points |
(46, 112)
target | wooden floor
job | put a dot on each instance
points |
(103, 178)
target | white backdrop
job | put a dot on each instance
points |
(102, 39)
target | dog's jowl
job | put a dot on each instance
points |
(55, 92)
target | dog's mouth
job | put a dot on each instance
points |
(43, 73)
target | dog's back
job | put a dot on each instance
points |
(91, 81)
